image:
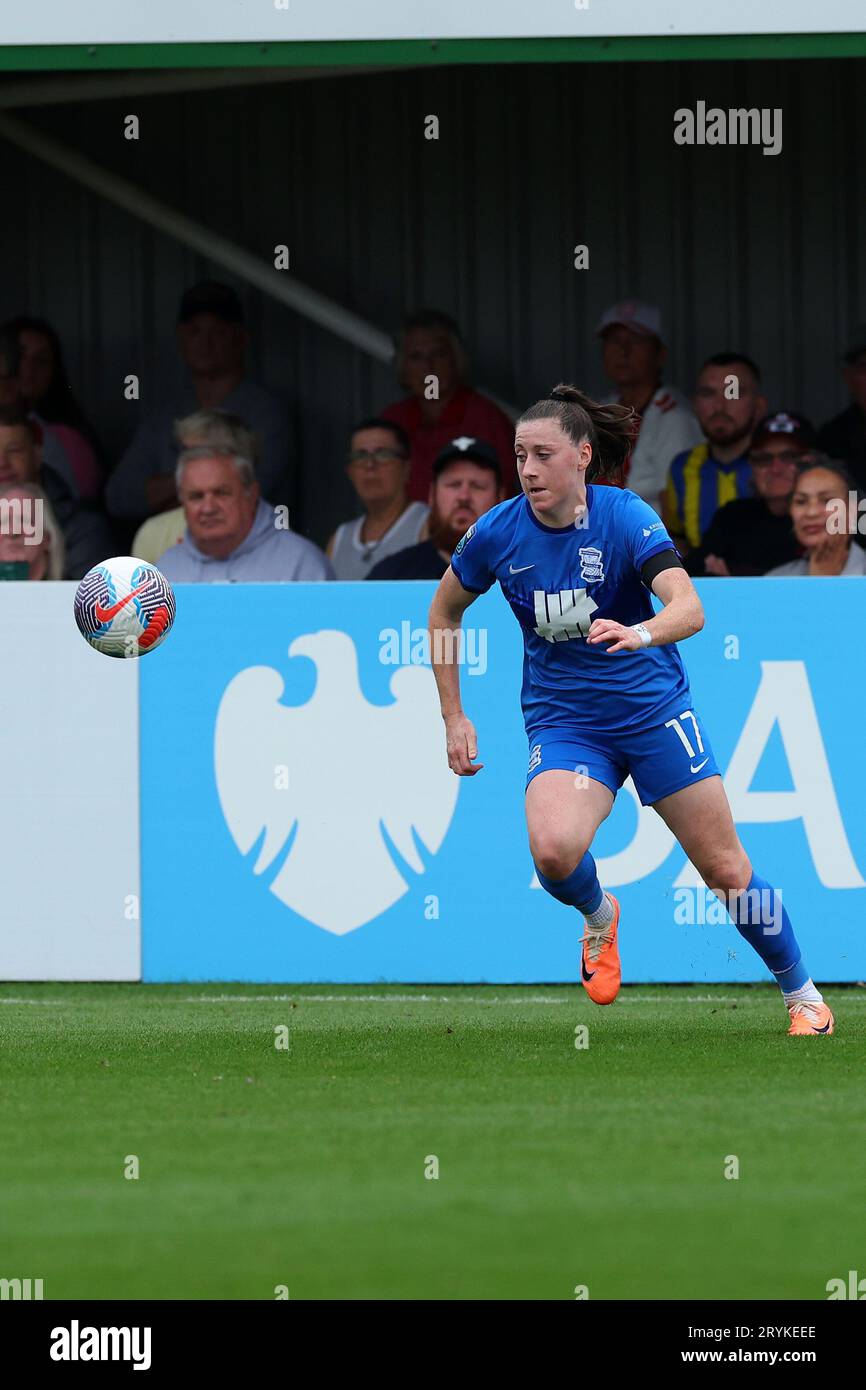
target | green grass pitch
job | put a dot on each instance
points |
(558, 1166)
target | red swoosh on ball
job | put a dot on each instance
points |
(104, 615)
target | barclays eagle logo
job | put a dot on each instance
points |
(327, 785)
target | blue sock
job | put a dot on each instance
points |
(761, 918)
(581, 889)
(792, 978)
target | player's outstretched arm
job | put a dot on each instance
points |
(444, 625)
(681, 617)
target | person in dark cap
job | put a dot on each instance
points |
(751, 535)
(212, 341)
(844, 437)
(467, 482)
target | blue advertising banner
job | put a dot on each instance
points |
(299, 821)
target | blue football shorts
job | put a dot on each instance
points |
(661, 760)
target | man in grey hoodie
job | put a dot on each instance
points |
(231, 534)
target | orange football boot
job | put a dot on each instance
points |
(807, 1018)
(600, 968)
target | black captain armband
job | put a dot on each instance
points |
(664, 560)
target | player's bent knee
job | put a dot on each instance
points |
(555, 858)
(728, 873)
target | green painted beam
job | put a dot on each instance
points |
(428, 52)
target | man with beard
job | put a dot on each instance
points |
(466, 483)
(728, 403)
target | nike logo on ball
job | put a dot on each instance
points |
(692, 767)
(104, 615)
(520, 568)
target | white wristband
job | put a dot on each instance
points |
(643, 633)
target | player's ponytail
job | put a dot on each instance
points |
(610, 429)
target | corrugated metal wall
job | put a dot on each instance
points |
(765, 253)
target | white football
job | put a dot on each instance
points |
(124, 607)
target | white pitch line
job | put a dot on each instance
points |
(409, 999)
(29, 1001)
(428, 999)
(361, 999)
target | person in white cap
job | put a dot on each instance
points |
(633, 356)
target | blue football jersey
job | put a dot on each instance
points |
(557, 581)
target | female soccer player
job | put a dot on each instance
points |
(605, 693)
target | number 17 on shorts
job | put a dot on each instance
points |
(686, 728)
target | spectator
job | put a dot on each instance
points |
(633, 356)
(216, 429)
(54, 455)
(30, 536)
(378, 469)
(231, 534)
(45, 387)
(844, 437)
(828, 550)
(703, 479)
(432, 357)
(466, 484)
(212, 342)
(751, 535)
(86, 535)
